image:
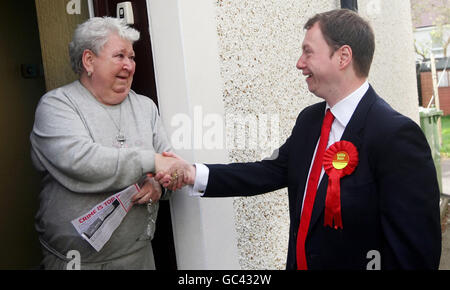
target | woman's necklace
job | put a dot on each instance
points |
(120, 137)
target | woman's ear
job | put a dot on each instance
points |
(88, 59)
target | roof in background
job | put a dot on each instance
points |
(441, 63)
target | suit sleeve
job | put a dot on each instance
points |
(409, 200)
(246, 179)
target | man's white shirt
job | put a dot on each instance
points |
(342, 112)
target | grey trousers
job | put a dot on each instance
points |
(141, 259)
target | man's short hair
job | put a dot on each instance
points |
(345, 27)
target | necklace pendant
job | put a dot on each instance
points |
(121, 139)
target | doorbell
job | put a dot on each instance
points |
(125, 12)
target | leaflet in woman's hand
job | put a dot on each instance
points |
(97, 225)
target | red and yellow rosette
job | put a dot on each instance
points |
(339, 160)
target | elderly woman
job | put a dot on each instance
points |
(91, 139)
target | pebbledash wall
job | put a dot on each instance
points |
(236, 59)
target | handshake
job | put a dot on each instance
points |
(172, 172)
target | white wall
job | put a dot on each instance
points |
(184, 44)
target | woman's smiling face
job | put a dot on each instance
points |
(112, 70)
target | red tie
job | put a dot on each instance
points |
(311, 190)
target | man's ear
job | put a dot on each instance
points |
(345, 56)
(88, 59)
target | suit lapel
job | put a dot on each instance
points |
(352, 133)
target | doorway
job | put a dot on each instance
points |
(144, 83)
(22, 84)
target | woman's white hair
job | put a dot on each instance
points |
(93, 34)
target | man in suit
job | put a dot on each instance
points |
(387, 204)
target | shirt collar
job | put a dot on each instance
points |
(344, 109)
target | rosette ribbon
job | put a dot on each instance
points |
(339, 160)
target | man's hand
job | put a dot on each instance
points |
(173, 172)
(150, 192)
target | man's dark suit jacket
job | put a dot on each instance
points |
(390, 203)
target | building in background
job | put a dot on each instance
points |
(431, 22)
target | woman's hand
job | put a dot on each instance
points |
(177, 174)
(150, 192)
